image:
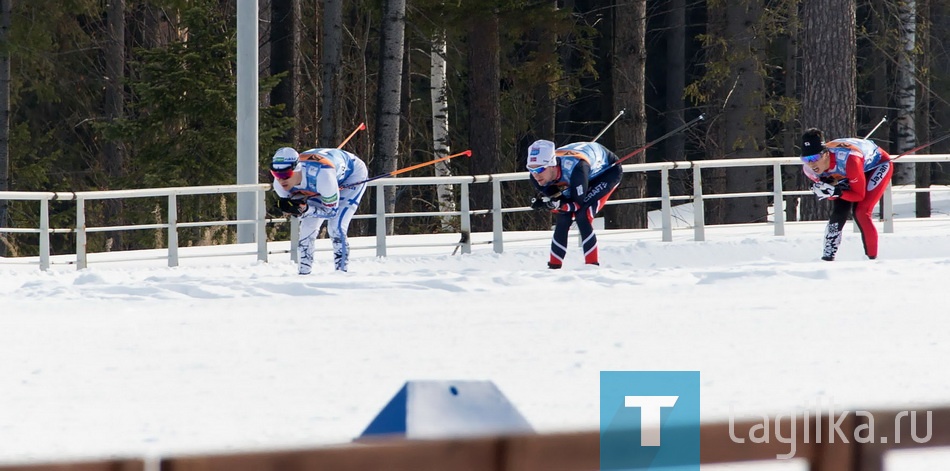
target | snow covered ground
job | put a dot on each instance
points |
(224, 353)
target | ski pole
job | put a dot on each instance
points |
(611, 123)
(883, 120)
(411, 167)
(361, 127)
(915, 149)
(684, 127)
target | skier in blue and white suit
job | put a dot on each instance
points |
(317, 185)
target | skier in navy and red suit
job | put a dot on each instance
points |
(574, 181)
(853, 173)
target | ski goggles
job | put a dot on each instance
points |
(282, 173)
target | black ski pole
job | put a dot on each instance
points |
(915, 149)
(652, 143)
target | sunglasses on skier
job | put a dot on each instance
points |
(537, 170)
(812, 158)
(282, 173)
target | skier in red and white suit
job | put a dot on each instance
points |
(853, 174)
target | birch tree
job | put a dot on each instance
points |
(438, 94)
(906, 89)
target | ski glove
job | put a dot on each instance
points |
(825, 190)
(543, 202)
(291, 206)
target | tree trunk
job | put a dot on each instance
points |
(152, 28)
(438, 93)
(389, 94)
(791, 174)
(880, 93)
(923, 172)
(743, 127)
(264, 45)
(282, 51)
(828, 99)
(673, 114)
(542, 124)
(330, 68)
(714, 179)
(484, 108)
(297, 72)
(563, 113)
(627, 81)
(906, 89)
(940, 71)
(5, 12)
(115, 152)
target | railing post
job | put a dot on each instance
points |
(699, 216)
(261, 226)
(44, 234)
(466, 220)
(173, 230)
(80, 233)
(778, 200)
(887, 211)
(294, 237)
(380, 220)
(497, 223)
(666, 209)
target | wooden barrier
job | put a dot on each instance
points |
(105, 465)
(718, 444)
(478, 454)
(871, 455)
(816, 440)
(556, 452)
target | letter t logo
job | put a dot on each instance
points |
(650, 408)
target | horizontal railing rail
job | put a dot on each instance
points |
(464, 212)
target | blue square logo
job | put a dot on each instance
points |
(649, 420)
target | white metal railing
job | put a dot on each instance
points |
(172, 225)
(464, 213)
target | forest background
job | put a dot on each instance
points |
(121, 94)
